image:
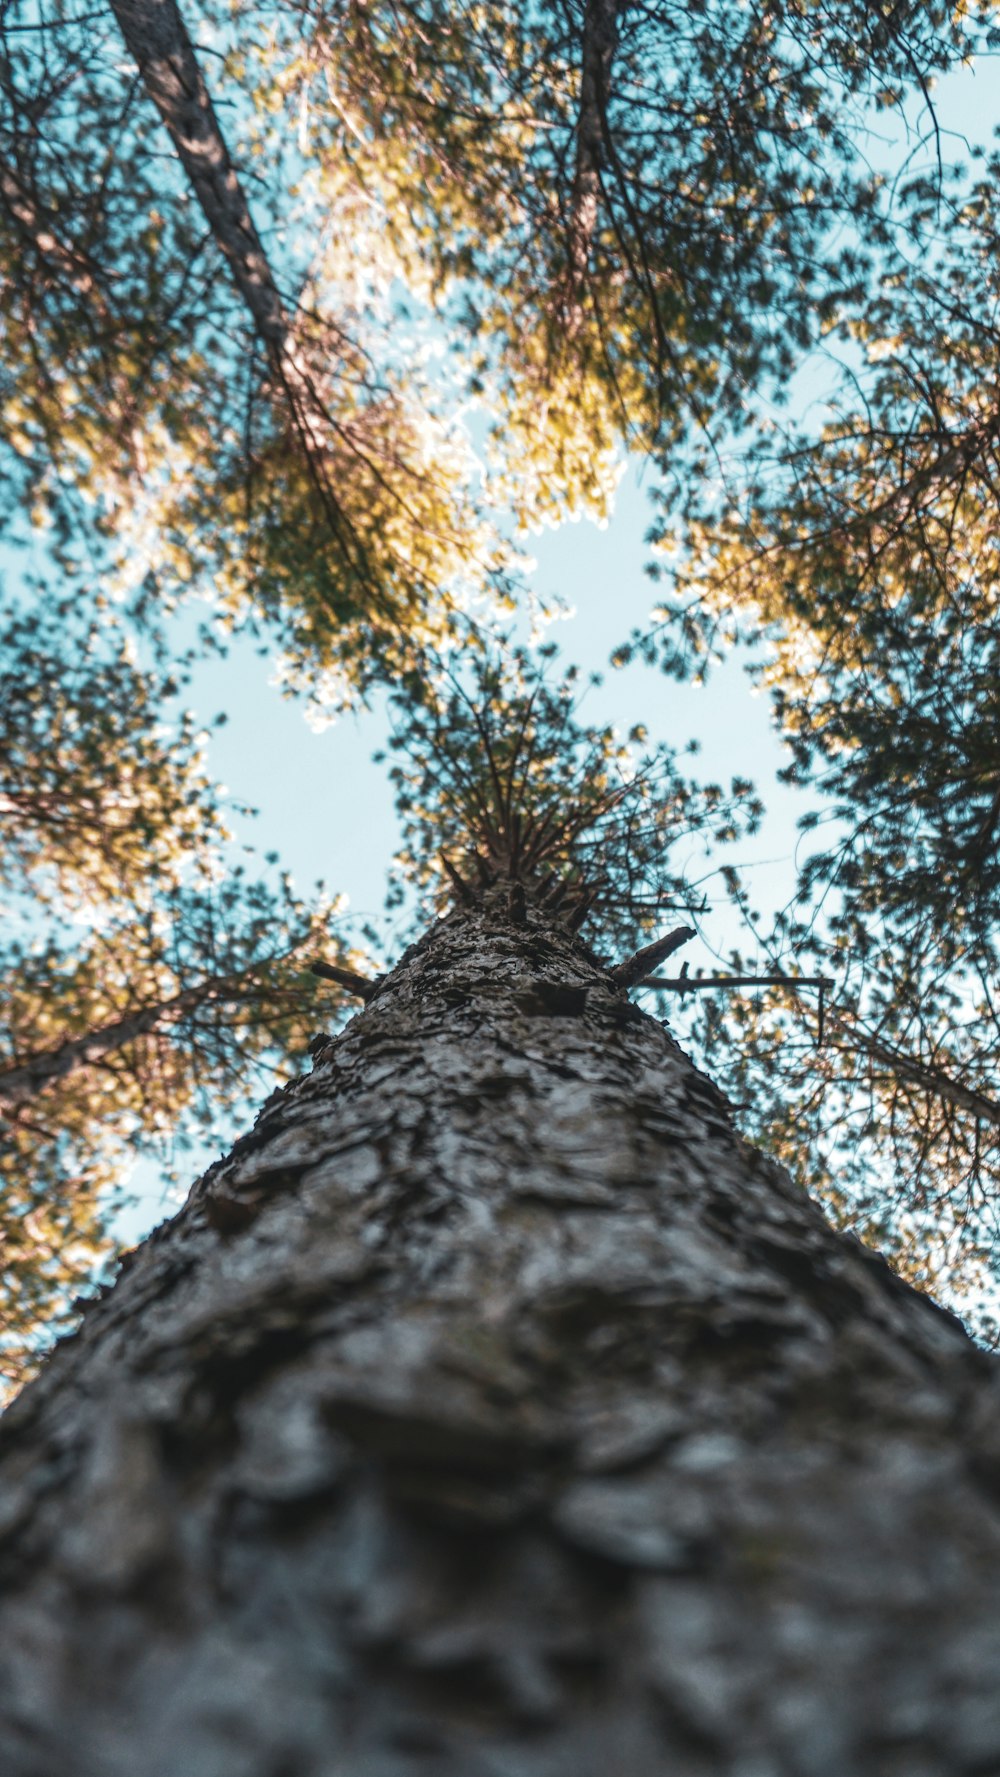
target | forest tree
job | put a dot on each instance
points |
(492, 1406)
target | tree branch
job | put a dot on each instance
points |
(363, 986)
(631, 972)
(25, 1079)
(689, 984)
(600, 40)
(457, 881)
(933, 1080)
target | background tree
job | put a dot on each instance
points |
(631, 206)
(221, 353)
(139, 988)
(862, 559)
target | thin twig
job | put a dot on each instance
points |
(684, 984)
(689, 984)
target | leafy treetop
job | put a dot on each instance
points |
(224, 361)
(500, 778)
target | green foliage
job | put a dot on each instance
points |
(893, 1120)
(630, 206)
(99, 797)
(106, 294)
(356, 553)
(143, 422)
(499, 778)
(625, 210)
(866, 556)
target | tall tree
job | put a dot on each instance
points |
(144, 986)
(492, 1406)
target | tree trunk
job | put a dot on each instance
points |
(492, 1408)
(158, 41)
(597, 54)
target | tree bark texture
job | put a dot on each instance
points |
(492, 1410)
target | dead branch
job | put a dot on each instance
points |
(457, 881)
(632, 971)
(360, 985)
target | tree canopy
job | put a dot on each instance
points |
(630, 205)
(501, 780)
(232, 259)
(169, 411)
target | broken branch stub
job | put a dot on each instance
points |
(361, 985)
(630, 972)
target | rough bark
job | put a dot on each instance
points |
(492, 1408)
